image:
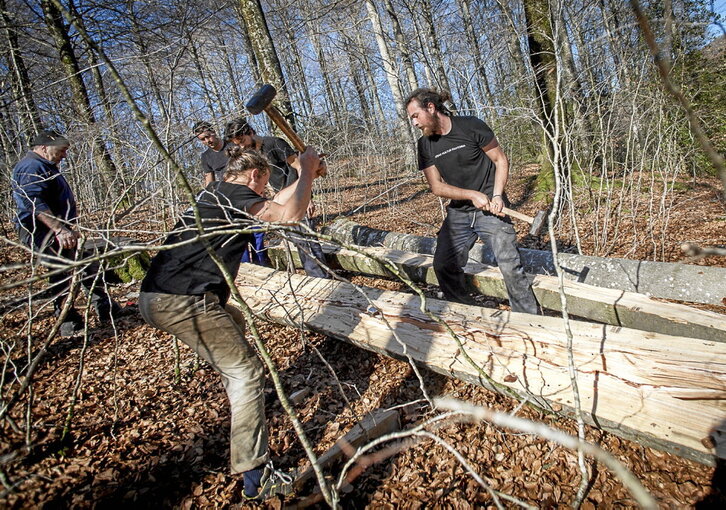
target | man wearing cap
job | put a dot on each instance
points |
(45, 217)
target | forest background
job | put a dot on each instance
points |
(619, 107)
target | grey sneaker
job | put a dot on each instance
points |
(272, 482)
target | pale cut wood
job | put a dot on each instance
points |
(664, 391)
(619, 308)
(374, 425)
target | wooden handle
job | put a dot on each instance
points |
(285, 127)
(517, 215)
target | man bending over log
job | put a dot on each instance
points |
(184, 293)
(284, 168)
(462, 161)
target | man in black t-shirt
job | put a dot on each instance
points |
(184, 293)
(284, 166)
(462, 161)
(214, 159)
(214, 162)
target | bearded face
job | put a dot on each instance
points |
(424, 118)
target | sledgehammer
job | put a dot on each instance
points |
(262, 101)
(535, 223)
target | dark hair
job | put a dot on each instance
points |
(237, 127)
(201, 126)
(242, 160)
(424, 97)
(49, 137)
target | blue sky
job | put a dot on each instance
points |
(720, 7)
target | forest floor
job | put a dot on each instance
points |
(144, 436)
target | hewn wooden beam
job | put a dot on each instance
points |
(682, 282)
(619, 308)
(374, 425)
(664, 391)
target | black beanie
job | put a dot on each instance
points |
(49, 137)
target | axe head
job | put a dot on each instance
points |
(261, 100)
(537, 223)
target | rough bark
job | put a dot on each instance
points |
(683, 282)
(19, 79)
(82, 105)
(402, 46)
(266, 55)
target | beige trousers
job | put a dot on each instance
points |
(217, 335)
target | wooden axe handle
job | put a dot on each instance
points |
(285, 127)
(517, 215)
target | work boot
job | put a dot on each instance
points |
(105, 310)
(266, 481)
(72, 325)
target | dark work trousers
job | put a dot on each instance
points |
(458, 235)
(310, 252)
(47, 253)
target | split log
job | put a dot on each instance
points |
(663, 391)
(608, 306)
(376, 424)
(682, 282)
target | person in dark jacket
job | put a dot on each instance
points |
(45, 219)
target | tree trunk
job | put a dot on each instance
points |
(542, 55)
(19, 80)
(402, 46)
(475, 50)
(609, 306)
(663, 391)
(403, 127)
(442, 81)
(264, 50)
(59, 32)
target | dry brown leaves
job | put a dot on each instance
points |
(141, 437)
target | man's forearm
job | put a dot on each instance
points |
(501, 176)
(450, 192)
(50, 221)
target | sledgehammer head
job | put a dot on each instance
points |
(261, 100)
(537, 223)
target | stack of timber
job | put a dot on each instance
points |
(663, 391)
(618, 308)
(668, 280)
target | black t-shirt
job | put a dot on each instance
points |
(215, 162)
(459, 157)
(188, 269)
(277, 150)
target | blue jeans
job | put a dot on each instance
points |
(458, 235)
(258, 253)
(310, 252)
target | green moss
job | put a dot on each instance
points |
(129, 269)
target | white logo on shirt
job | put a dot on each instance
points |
(449, 150)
